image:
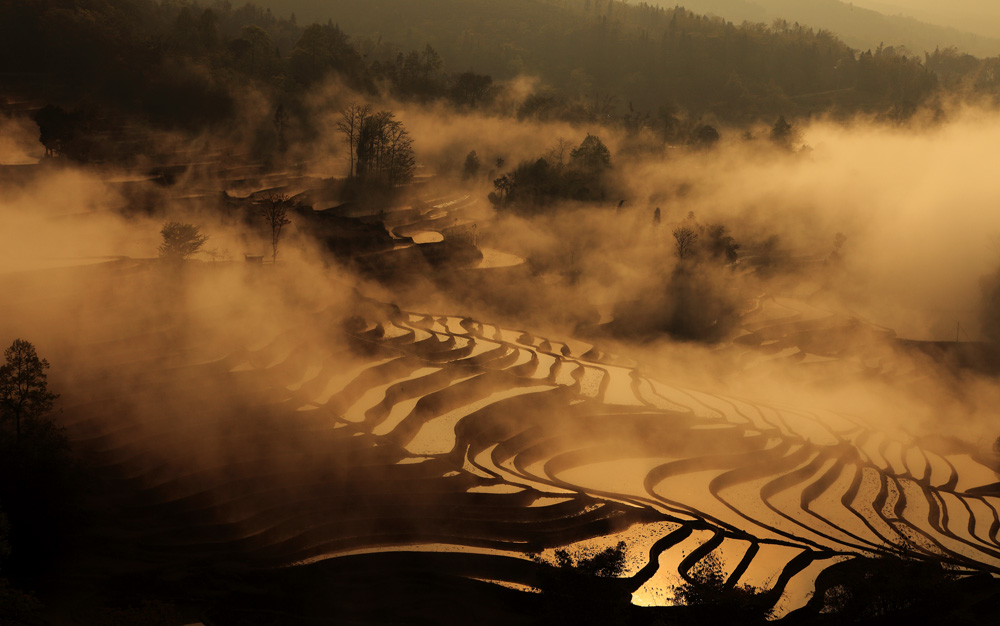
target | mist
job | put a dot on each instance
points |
(912, 201)
(555, 356)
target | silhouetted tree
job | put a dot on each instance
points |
(705, 136)
(24, 393)
(351, 120)
(591, 155)
(57, 128)
(886, 586)
(274, 208)
(709, 589)
(325, 49)
(575, 592)
(608, 563)
(256, 49)
(781, 132)
(417, 74)
(382, 150)
(471, 167)
(208, 29)
(472, 89)
(720, 244)
(180, 241)
(557, 153)
(38, 476)
(685, 241)
(503, 186)
(398, 162)
(669, 122)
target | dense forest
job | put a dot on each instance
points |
(861, 25)
(187, 65)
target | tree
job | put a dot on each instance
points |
(705, 136)
(399, 161)
(257, 44)
(471, 167)
(273, 208)
(591, 155)
(24, 393)
(472, 89)
(886, 588)
(417, 74)
(782, 133)
(381, 148)
(325, 49)
(56, 127)
(180, 241)
(686, 238)
(557, 153)
(708, 588)
(351, 120)
(608, 563)
(721, 245)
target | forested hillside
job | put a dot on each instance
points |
(974, 16)
(646, 56)
(187, 65)
(859, 27)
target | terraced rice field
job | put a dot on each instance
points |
(434, 434)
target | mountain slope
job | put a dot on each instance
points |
(645, 56)
(973, 16)
(861, 28)
(863, 25)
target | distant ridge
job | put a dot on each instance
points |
(859, 27)
(974, 16)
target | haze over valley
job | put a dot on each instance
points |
(543, 311)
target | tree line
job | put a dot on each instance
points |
(107, 66)
(181, 64)
(380, 148)
(664, 71)
(535, 184)
(650, 57)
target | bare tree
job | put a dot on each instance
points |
(686, 240)
(273, 208)
(352, 119)
(24, 393)
(371, 144)
(557, 153)
(399, 163)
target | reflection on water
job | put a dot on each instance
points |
(415, 432)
